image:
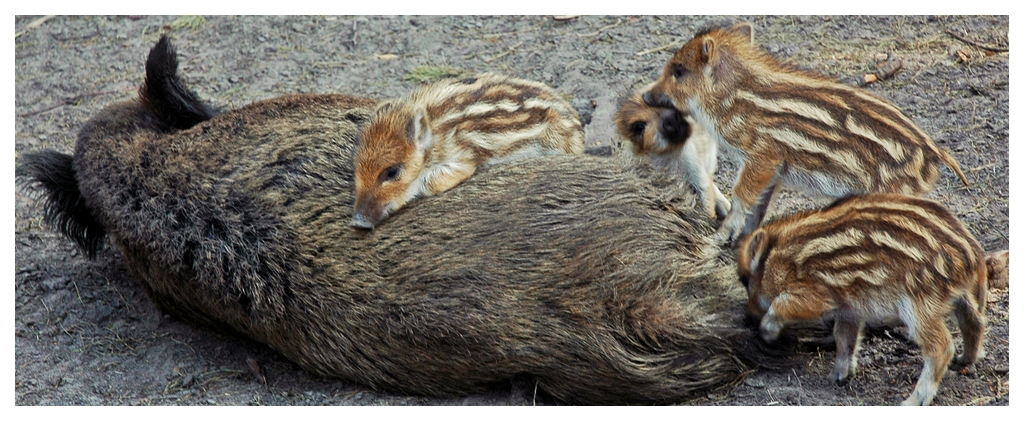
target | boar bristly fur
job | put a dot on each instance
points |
(570, 269)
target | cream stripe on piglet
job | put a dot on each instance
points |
(834, 139)
(871, 258)
(437, 136)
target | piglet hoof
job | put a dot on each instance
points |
(840, 376)
(911, 401)
(962, 360)
(918, 398)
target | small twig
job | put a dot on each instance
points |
(507, 52)
(33, 25)
(535, 384)
(567, 66)
(352, 40)
(79, 293)
(69, 101)
(603, 28)
(45, 306)
(501, 34)
(979, 45)
(187, 346)
(983, 167)
(663, 47)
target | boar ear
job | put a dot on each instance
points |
(708, 50)
(419, 131)
(755, 249)
(746, 29)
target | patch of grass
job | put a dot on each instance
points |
(428, 74)
(189, 22)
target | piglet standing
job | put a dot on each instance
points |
(871, 258)
(833, 139)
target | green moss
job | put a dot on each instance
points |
(189, 22)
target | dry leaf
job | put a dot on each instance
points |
(964, 55)
(386, 56)
(881, 56)
(870, 78)
(254, 367)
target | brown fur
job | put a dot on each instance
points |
(674, 142)
(571, 270)
(876, 257)
(436, 137)
(998, 263)
(835, 139)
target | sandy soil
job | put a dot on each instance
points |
(86, 334)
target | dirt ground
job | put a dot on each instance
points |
(86, 333)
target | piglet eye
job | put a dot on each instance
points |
(638, 128)
(678, 70)
(391, 173)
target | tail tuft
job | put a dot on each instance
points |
(52, 173)
(955, 166)
(165, 94)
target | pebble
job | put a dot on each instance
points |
(758, 383)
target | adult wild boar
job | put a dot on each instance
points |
(574, 270)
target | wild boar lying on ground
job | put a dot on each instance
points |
(570, 269)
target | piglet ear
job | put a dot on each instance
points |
(754, 250)
(746, 29)
(708, 51)
(384, 107)
(420, 135)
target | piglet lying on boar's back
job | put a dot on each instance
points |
(571, 269)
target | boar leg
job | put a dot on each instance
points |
(448, 175)
(972, 319)
(931, 334)
(847, 334)
(755, 178)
